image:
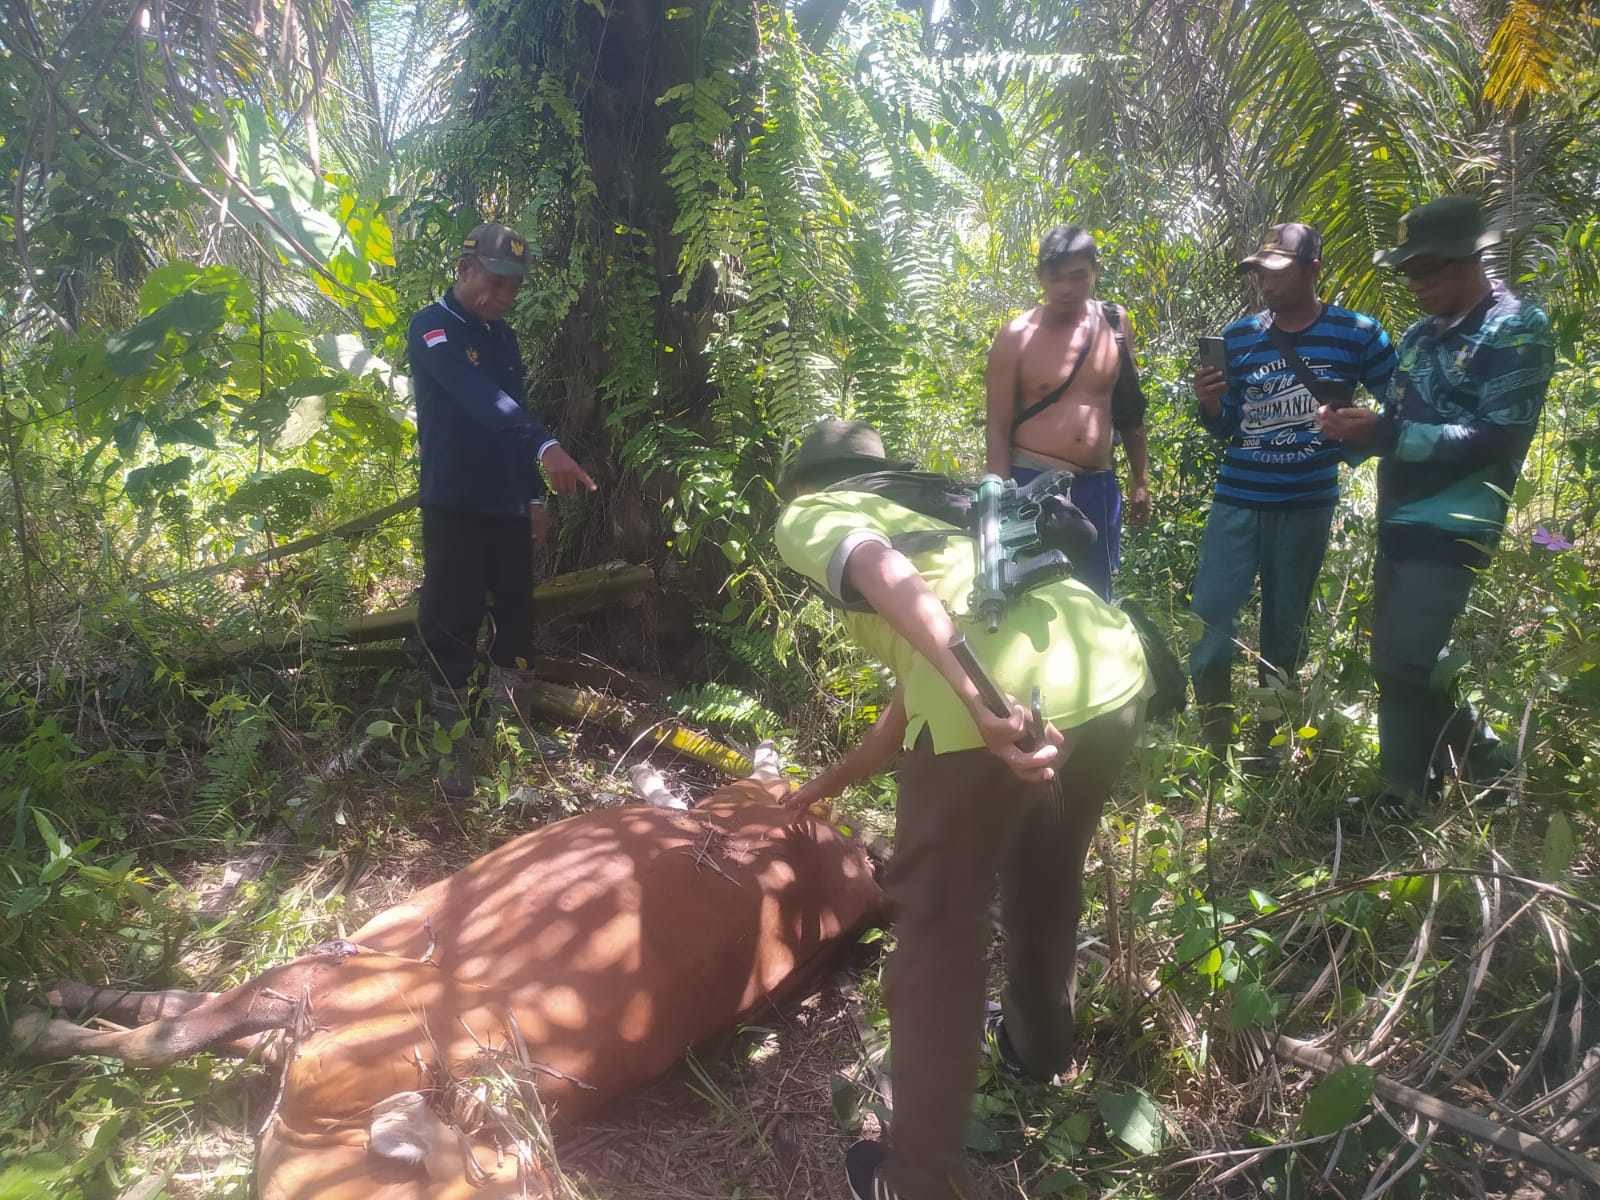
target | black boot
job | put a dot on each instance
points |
(457, 769)
(1266, 759)
(1213, 699)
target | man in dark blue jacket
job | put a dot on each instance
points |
(485, 462)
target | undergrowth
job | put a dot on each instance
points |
(1449, 950)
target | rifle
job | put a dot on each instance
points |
(1022, 538)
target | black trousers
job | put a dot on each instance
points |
(473, 564)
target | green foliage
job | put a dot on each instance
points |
(232, 765)
(1337, 1100)
(737, 232)
(737, 713)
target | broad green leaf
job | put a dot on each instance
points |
(127, 432)
(1338, 1100)
(286, 498)
(1198, 950)
(846, 1103)
(981, 1138)
(1253, 1007)
(1558, 848)
(1066, 1141)
(1264, 902)
(1411, 889)
(54, 869)
(1061, 1182)
(1445, 670)
(174, 279)
(286, 420)
(145, 484)
(35, 1176)
(185, 431)
(47, 831)
(1132, 1117)
(25, 900)
(380, 729)
(188, 316)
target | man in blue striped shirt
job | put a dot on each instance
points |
(1279, 482)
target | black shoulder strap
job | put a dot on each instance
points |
(1321, 389)
(1055, 393)
(1129, 368)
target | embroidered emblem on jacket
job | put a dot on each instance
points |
(433, 337)
(472, 355)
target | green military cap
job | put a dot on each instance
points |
(1449, 227)
(833, 451)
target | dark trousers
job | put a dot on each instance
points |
(472, 564)
(961, 819)
(1415, 603)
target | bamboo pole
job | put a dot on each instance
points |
(573, 704)
(352, 530)
(574, 592)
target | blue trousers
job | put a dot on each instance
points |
(1099, 498)
(1285, 548)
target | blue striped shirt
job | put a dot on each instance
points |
(1276, 456)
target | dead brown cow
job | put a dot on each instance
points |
(606, 945)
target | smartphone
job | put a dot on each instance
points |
(1214, 353)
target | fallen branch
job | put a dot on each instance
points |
(1512, 1141)
(574, 592)
(352, 530)
(579, 705)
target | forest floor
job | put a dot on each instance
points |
(1278, 906)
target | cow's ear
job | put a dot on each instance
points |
(402, 1129)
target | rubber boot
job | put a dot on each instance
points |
(1213, 699)
(1265, 759)
(457, 770)
(508, 689)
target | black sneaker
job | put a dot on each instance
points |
(1010, 1061)
(863, 1168)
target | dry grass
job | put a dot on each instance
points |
(752, 1116)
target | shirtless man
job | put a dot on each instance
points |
(1034, 424)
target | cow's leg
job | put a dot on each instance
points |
(81, 1002)
(267, 1002)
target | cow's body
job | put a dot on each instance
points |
(608, 944)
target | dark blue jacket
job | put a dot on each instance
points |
(478, 442)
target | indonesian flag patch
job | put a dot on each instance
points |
(433, 337)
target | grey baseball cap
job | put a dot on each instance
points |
(498, 247)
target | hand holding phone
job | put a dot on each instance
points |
(1214, 354)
